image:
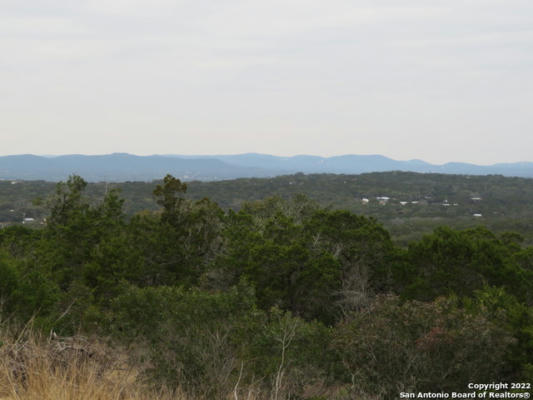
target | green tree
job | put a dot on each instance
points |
(461, 262)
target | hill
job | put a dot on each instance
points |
(410, 204)
(282, 299)
(120, 167)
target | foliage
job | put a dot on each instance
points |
(461, 262)
(285, 296)
(419, 347)
(439, 199)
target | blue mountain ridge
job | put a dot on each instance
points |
(129, 167)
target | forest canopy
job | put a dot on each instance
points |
(408, 205)
(281, 293)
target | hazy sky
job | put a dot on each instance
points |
(448, 80)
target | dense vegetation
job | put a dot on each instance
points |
(418, 203)
(283, 295)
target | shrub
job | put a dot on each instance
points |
(415, 346)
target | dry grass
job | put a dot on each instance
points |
(33, 368)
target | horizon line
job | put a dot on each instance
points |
(263, 154)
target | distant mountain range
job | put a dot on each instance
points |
(129, 167)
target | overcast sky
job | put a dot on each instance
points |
(448, 80)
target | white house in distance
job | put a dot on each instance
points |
(477, 215)
(364, 200)
(382, 199)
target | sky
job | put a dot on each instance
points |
(438, 80)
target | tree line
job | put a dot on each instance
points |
(418, 204)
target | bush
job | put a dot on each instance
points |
(211, 343)
(415, 346)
